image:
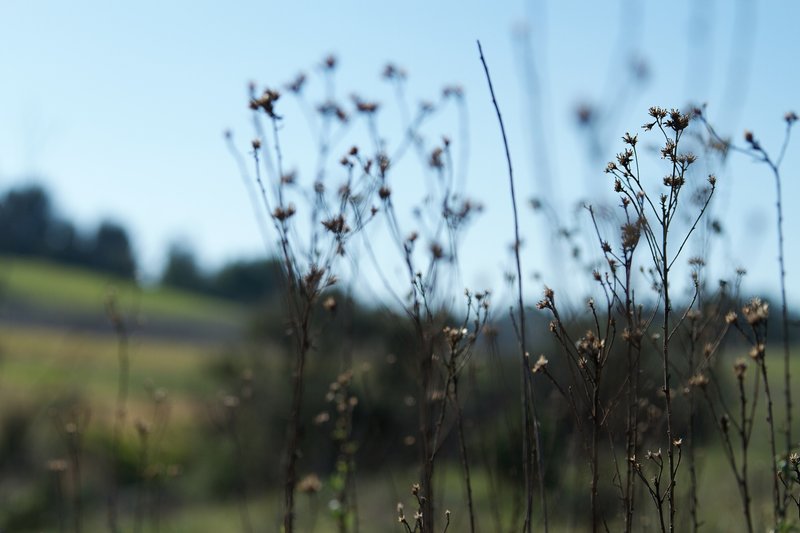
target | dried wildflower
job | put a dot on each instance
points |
(756, 312)
(677, 121)
(541, 364)
(383, 163)
(697, 261)
(668, 152)
(674, 182)
(256, 144)
(57, 465)
(329, 304)
(389, 71)
(631, 234)
(321, 418)
(590, 346)
(281, 214)
(657, 113)
(625, 157)
(332, 109)
(362, 106)
(758, 352)
(730, 317)
(585, 114)
(296, 86)
(687, 159)
(435, 160)
(698, 380)
(739, 368)
(436, 250)
(336, 225)
(310, 484)
(548, 293)
(266, 102)
(790, 117)
(454, 91)
(329, 62)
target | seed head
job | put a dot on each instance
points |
(756, 312)
(541, 364)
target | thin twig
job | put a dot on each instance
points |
(527, 393)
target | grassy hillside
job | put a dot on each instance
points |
(57, 288)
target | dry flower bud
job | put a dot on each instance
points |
(541, 364)
(329, 304)
(739, 368)
(310, 484)
(758, 351)
(698, 380)
(756, 311)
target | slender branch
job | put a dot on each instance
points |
(527, 393)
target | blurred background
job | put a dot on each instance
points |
(129, 238)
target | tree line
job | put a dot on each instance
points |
(31, 227)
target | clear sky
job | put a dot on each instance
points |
(119, 107)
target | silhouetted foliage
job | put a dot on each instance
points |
(247, 280)
(29, 226)
(25, 216)
(111, 250)
(181, 270)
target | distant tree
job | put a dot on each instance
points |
(181, 270)
(25, 218)
(111, 251)
(247, 280)
(65, 244)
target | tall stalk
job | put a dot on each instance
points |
(530, 421)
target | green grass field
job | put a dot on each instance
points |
(46, 366)
(78, 290)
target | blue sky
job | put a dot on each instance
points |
(119, 107)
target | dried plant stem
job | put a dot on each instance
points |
(777, 507)
(787, 374)
(744, 436)
(666, 371)
(120, 411)
(464, 457)
(293, 429)
(529, 418)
